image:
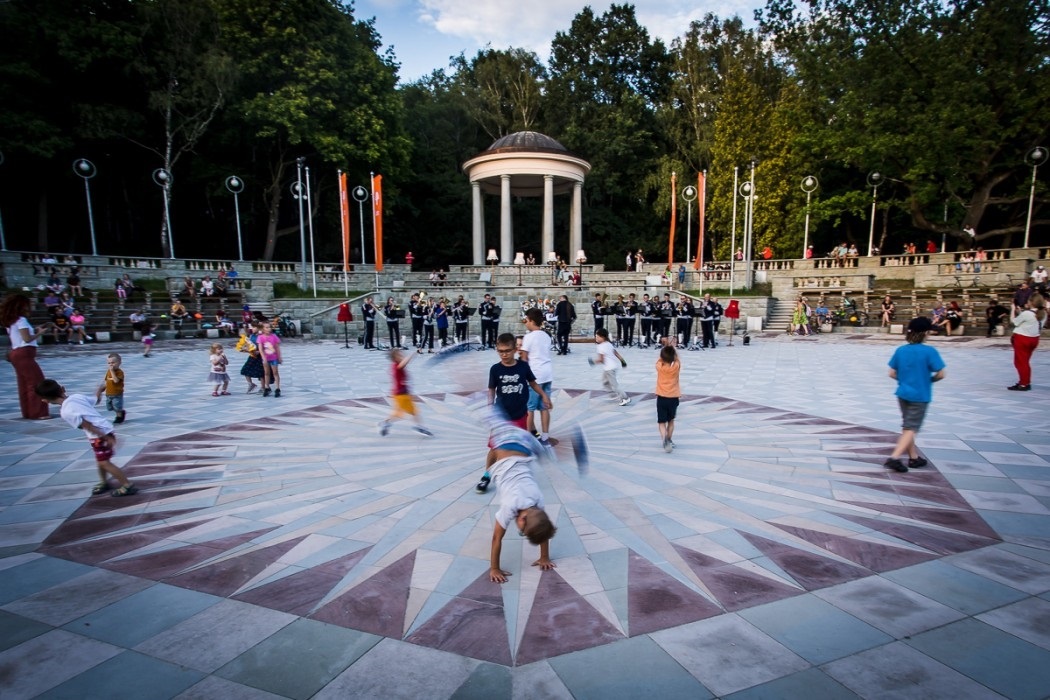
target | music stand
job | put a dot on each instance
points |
(732, 312)
(344, 317)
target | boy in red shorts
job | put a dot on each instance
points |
(80, 412)
(509, 383)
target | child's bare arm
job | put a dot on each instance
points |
(544, 562)
(492, 396)
(496, 574)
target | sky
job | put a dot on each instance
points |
(426, 33)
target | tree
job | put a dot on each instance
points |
(312, 84)
(501, 89)
(606, 79)
(945, 98)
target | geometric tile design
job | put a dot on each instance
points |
(325, 519)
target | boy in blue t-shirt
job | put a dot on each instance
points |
(509, 383)
(915, 367)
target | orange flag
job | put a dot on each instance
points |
(701, 186)
(344, 217)
(377, 218)
(674, 215)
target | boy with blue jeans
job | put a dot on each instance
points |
(915, 366)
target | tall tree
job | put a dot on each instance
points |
(606, 78)
(501, 89)
(312, 84)
(945, 98)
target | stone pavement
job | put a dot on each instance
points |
(280, 548)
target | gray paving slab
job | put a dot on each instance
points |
(777, 485)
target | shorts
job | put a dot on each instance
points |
(403, 404)
(666, 408)
(115, 402)
(522, 423)
(912, 414)
(535, 402)
(146, 340)
(273, 363)
(103, 450)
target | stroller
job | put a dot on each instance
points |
(283, 326)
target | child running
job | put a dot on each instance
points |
(113, 386)
(78, 411)
(218, 375)
(520, 498)
(610, 360)
(668, 391)
(509, 384)
(402, 397)
(915, 367)
(270, 348)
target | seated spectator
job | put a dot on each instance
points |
(207, 286)
(442, 276)
(139, 321)
(52, 299)
(940, 318)
(997, 315)
(49, 259)
(189, 287)
(888, 309)
(66, 305)
(979, 257)
(54, 283)
(852, 251)
(77, 324)
(121, 291)
(70, 260)
(1039, 276)
(433, 278)
(129, 287)
(953, 315)
(223, 323)
(231, 272)
(178, 315)
(1022, 295)
(74, 282)
(221, 285)
(60, 326)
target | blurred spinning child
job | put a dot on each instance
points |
(402, 397)
(218, 374)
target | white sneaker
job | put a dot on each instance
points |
(625, 401)
(667, 446)
(81, 342)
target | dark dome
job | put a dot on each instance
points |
(525, 141)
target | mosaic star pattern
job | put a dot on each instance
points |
(311, 512)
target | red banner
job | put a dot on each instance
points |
(674, 215)
(344, 217)
(701, 186)
(377, 218)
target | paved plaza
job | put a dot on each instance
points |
(281, 548)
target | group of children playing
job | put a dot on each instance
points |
(513, 392)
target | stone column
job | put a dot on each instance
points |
(506, 231)
(576, 227)
(478, 229)
(547, 236)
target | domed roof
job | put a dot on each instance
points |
(525, 141)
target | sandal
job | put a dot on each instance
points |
(225, 393)
(214, 393)
(252, 388)
(129, 490)
(100, 487)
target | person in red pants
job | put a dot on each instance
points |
(14, 313)
(1027, 322)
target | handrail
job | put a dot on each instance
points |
(336, 306)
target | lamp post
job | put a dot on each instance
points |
(519, 260)
(85, 169)
(297, 192)
(310, 224)
(1035, 158)
(235, 184)
(360, 195)
(875, 179)
(581, 258)
(164, 178)
(746, 192)
(809, 183)
(3, 242)
(689, 195)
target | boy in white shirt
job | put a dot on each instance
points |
(80, 412)
(610, 361)
(536, 350)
